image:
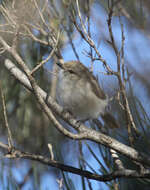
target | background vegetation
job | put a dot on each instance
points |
(43, 31)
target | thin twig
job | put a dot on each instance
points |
(7, 15)
(10, 141)
(71, 42)
(89, 33)
(87, 38)
(119, 73)
(37, 27)
(16, 153)
(41, 15)
(122, 50)
(49, 56)
(35, 38)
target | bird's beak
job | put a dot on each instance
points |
(60, 65)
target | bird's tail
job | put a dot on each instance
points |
(109, 120)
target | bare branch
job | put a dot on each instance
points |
(40, 99)
(30, 34)
(16, 153)
(49, 56)
(41, 15)
(119, 73)
(10, 141)
(85, 133)
(88, 39)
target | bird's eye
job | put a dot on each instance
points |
(71, 71)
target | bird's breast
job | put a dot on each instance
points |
(76, 95)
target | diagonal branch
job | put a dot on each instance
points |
(35, 88)
(49, 56)
(86, 133)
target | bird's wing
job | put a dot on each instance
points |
(89, 77)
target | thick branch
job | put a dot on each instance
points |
(87, 133)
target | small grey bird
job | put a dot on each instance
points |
(79, 93)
